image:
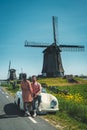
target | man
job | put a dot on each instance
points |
(26, 94)
(36, 94)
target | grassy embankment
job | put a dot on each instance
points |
(73, 104)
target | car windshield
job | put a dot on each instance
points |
(43, 90)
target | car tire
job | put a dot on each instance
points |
(53, 113)
(14, 102)
(18, 103)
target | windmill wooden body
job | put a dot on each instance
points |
(52, 62)
(11, 73)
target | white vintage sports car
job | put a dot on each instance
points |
(49, 103)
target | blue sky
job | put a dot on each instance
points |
(31, 20)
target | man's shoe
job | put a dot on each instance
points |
(34, 115)
(39, 109)
(27, 113)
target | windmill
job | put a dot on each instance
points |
(11, 72)
(52, 62)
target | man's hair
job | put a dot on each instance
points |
(34, 76)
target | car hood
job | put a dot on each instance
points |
(47, 97)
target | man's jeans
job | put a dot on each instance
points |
(36, 102)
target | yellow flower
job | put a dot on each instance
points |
(76, 97)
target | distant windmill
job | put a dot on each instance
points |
(52, 63)
(11, 72)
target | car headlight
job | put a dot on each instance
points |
(53, 103)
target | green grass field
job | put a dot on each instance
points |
(73, 104)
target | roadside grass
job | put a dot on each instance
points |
(8, 87)
(73, 105)
(62, 121)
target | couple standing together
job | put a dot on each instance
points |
(30, 94)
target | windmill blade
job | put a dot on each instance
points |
(35, 44)
(72, 47)
(9, 65)
(55, 25)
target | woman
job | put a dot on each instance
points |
(26, 94)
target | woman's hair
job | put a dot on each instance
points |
(24, 76)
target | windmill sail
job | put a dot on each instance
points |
(9, 65)
(72, 47)
(55, 25)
